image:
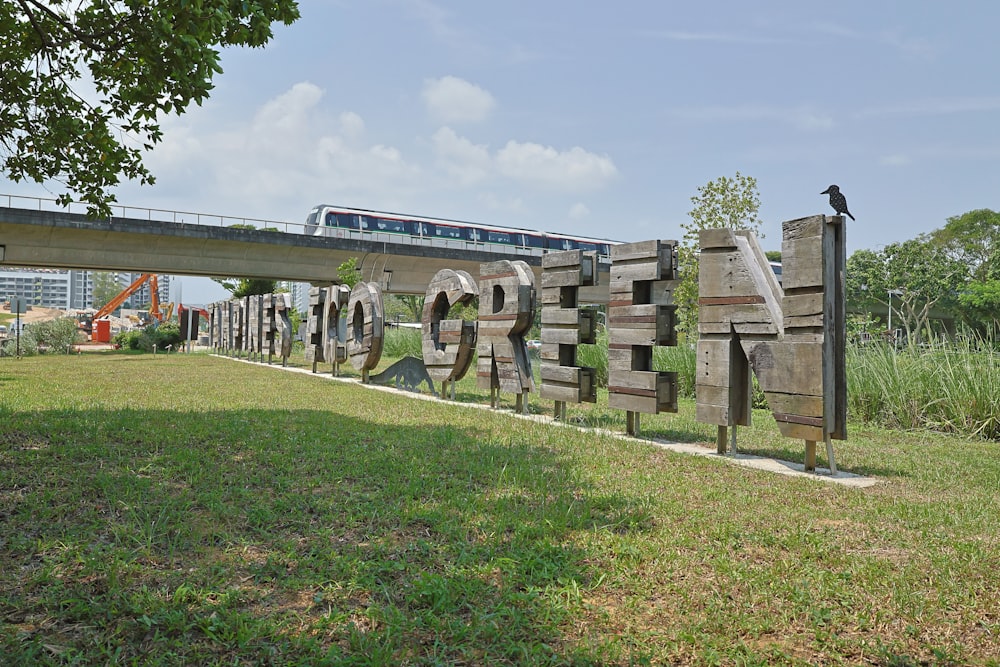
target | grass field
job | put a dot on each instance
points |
(191, 510)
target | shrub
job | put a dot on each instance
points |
(160, 335)
(28, 344)
(56, 335)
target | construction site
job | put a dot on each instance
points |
(99, 326)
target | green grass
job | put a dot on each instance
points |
(182, 510)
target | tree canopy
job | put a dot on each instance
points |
(85, 82)
(724, 202)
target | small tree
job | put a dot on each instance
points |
(724, 202)
(104, 288)
(348, 273)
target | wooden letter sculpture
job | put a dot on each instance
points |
(314, 326)
(277, 325)
(365, 327)
(214, 326)
(506, 311)
(239, 326)
(334, 337)
(448, 345)
(254, 327)
(791, 336)
(564, 326)
(641, 316)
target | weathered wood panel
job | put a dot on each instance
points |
(506, 309)
(448, 345)
(365, 327)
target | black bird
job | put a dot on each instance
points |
(837, 200)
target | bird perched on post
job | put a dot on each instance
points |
(838, 201)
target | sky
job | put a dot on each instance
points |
(598, 119)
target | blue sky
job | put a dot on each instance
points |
(598, 118)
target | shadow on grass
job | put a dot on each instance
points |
(268, 536)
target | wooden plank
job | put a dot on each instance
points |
(712, 362)
(625, 252)
(802, 263)
(795, 404)
(712, 395)
(756, 329)
(785, 367)
(564, 374)
(625, 272)
(798, 419)
(716, 238)
(706, 413)
(563, 258)
(643, 337)
(810, 321)
(724, 275)
(802, 227)
(561, 336)
(557, 316)
(798, 305)
(800, 431)
(568, 278)
(555, 392)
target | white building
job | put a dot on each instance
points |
(68, 289)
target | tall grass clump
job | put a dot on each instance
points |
(680, 359)
(402, 342)
(953, 387)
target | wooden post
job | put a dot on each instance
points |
(720, 440)
(810, 456)
(829, 455)
(632, 424)
(732, 441)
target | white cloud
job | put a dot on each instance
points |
(453, 100)
(292, 150)
(578, 211)
(352, 125)
(573, 170)
(465, 161)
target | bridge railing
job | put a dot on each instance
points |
(211, 220)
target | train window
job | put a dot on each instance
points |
(499, 237)
(344, 220)
(448, 232)
(556, 243)
(532, 240)
(389, 225)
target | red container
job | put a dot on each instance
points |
(102, 331)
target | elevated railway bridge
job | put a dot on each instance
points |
(38, 233)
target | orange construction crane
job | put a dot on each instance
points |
(154, 296)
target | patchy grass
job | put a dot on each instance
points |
(176, 509)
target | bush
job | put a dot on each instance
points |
(53, 337)
(28, 345)
(56, 335)
(128, 340)
(160, 335)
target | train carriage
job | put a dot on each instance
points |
(340, 222)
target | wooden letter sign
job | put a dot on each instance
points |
(448, 345)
